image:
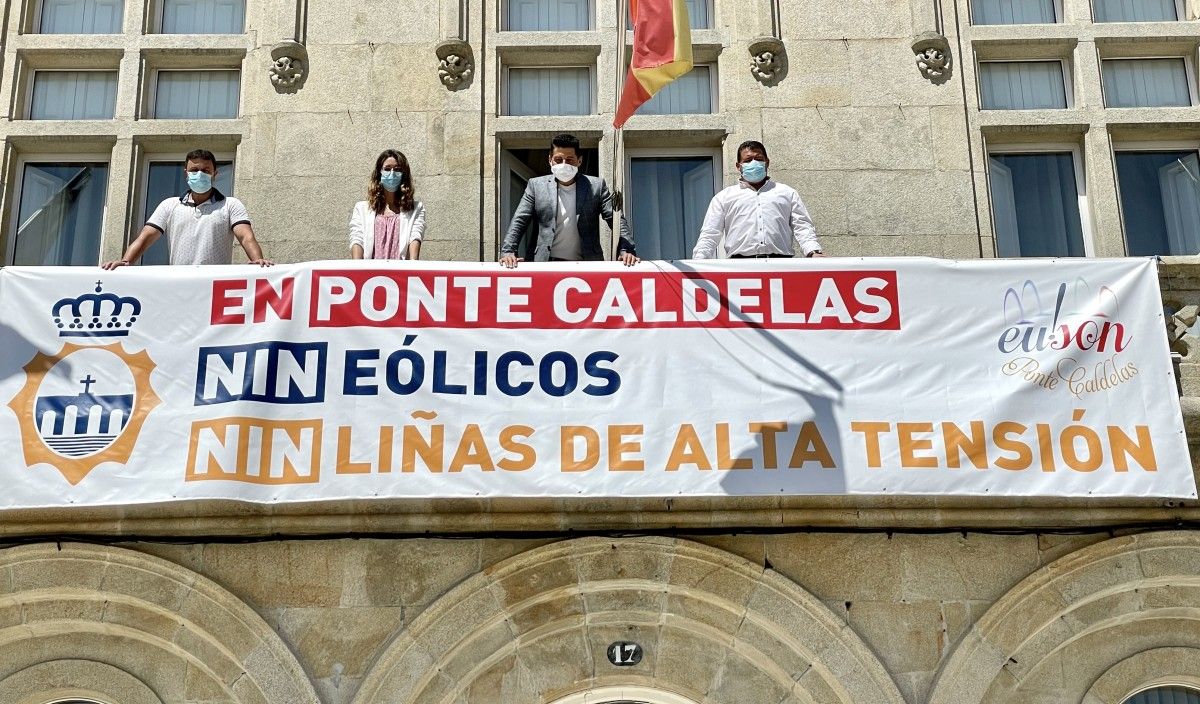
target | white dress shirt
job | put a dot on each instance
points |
(769, 220)
(566, 243)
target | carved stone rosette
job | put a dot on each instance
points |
(934, 59)
(456, 64)
(768, 60)
(289, 66)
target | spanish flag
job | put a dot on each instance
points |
(662, 52)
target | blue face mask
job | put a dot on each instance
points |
(199, 182)
(391, 180)
(754, 171)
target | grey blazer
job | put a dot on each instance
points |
(593, 201)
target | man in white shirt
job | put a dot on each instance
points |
(200, 225)
(758, 216)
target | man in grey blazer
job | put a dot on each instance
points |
(568, 209)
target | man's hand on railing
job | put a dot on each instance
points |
(262, 262)
(628, 258)
(510, 260)
(109, 266)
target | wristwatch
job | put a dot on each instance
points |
(815, 251)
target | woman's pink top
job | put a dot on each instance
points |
(387, 238)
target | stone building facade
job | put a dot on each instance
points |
(750, 600)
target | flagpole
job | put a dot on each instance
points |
(618, 146)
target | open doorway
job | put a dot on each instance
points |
(517, 167)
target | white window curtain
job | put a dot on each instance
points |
(165, 179)
(197, 94)
(668, 198)
(1022, 85)
(1013, 12)
(60, 214)
(203, 16)
(73, 95)
(688, 94)
(549, 91)
(699, 14)
(549, 15)
(1180, 184)
(1145, 83)
(81, 16)
(1166, 695)
(1136, 11)
(1160, 202)
(1035, 205)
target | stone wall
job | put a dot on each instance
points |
(788, 618)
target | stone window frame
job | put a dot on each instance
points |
(26, 98)
(593, 83)
(32, 23)
(1077, 151)
(1060, 16)
(57, 157)
(1189, 68)
(29, 62)
(1068, 79)
(153, 20)
(223, 59)
(1117, 146)
(714, 86)
(1180, 13)
(503, 20)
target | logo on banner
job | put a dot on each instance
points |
(1067, 338)
(85, 404)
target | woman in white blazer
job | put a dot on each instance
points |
(390, 223)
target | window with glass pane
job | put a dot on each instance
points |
(197, 94)
(1022, 85)
(1166, 695)
(1035, 205)
(81, 17)
(690, 93)
(668, 197)
(1136, 10)
(166, 179)
(549, 15)
(700, 14)
(73, 95)
(203, 16)
(549, 91)
(60, 214)
(1145, 83)
(1160, 202)
(1013, 12)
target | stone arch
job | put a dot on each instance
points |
(112, 624)
(714, 627)
(1062, 630)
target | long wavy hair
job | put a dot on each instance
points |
(375, 192)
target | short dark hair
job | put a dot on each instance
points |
(751, 144)
(565, 141)
(200, 155)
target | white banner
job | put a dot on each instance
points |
(356, 380)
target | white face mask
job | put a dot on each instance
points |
(564, 172)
